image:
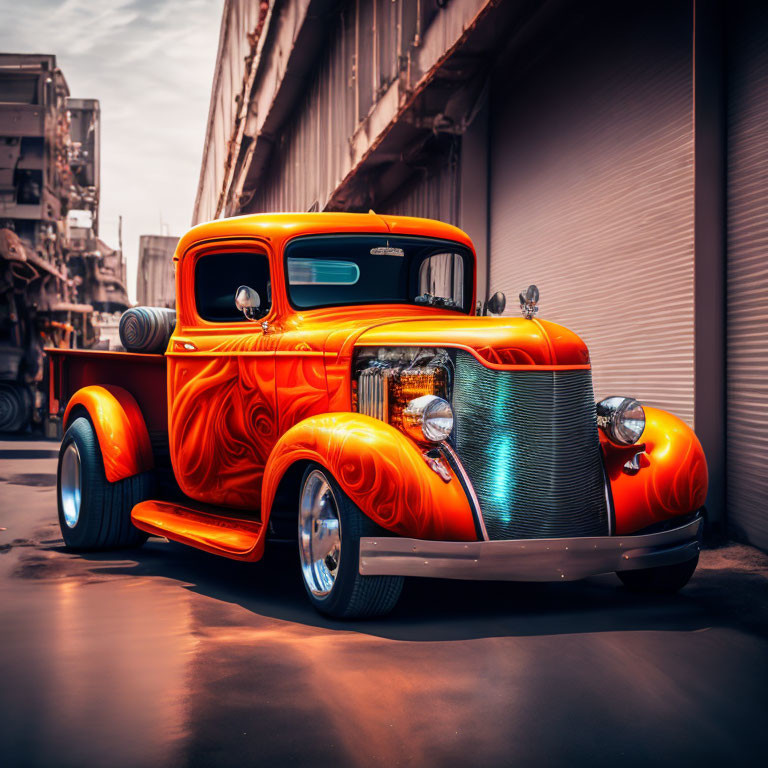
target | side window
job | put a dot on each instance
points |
(442, 275)
(219, 275)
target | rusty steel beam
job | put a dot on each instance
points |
(442, 39)
(280, 78)
(256, 40)
(297, 31)
(237, 60)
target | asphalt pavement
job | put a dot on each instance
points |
(166, 656)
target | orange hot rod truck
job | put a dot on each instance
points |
(329, 378)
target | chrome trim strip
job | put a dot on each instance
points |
(609, 510)
(372, 393)
(528, 559)
(473, 500)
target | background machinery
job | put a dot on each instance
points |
(57, 279)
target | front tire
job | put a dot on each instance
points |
(665, 580)
(94, 513)
(330, 529)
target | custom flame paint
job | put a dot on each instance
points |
(672, 479)
(381, 470)
(120, 428)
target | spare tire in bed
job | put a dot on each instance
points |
(147, 329)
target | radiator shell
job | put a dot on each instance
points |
(528, 441)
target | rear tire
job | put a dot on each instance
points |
(94, 513)
(665, 580)
(330, 529)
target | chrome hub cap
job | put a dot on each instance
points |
(69, 485)
(319, 534)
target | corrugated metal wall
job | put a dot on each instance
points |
(747, 273)
(432, 193)
(308, 160)
(240, 19)
(592, 190)
(371, 45)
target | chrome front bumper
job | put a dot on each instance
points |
(528, 559)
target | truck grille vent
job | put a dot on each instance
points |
(372, 392)
(528, 440)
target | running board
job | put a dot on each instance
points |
(233, 537)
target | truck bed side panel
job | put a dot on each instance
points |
(144, 376)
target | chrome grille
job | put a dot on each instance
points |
(528, 440)
(372, 394)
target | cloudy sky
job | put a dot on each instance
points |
(150, 63)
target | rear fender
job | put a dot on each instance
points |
(672, 479)
(381, 470)
(120, 429)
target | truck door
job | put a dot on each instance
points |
(222, 419)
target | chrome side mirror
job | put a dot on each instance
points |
(248, 302)
(496, 304)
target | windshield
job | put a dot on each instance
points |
(333, 270)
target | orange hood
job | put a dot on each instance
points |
(498, 340)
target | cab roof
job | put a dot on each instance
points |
(279, 227)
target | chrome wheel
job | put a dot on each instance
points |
(69, 484)
(319, 534)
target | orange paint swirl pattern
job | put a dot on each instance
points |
(381, 470)
(120, 428)
(672, 479)
(222, 427)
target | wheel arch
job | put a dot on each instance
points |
(672, 477)
(381, 470)
(285, 505)
(78, 411)
(120, 429)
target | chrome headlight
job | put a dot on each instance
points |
(622, 419)
(429, 418)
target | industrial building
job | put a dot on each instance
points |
(615, 154)
(155, 279)
(58, 281)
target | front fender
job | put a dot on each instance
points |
(672, 479)
(381, 470)
(120, 429)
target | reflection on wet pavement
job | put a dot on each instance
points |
(100, 672)
(165, 656)
(34, 480)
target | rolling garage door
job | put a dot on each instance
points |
(592, 189)
(747, 310)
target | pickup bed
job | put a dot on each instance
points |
(143, 375)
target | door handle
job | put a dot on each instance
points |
(182, 345)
